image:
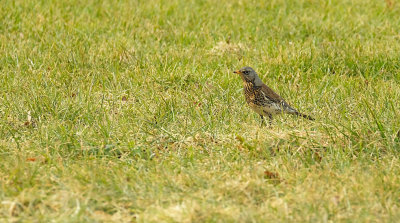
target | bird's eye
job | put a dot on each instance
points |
(245, 72)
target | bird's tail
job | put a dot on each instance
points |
(304, 116)
(293, 111)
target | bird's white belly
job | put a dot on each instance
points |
(262, 110)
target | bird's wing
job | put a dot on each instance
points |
(271, 95)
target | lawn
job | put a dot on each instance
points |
(129, 111)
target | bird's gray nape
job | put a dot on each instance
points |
(257, 81)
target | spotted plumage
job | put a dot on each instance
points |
(262, 99)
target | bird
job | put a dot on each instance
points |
(262, 99)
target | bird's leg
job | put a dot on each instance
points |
(262, 120)
(270, 119)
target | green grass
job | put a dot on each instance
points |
(129, 111)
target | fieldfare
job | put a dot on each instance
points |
(262, 99)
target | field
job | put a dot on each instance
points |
(129, 111)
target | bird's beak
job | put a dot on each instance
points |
(237, 72)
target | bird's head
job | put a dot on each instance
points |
(249, 75)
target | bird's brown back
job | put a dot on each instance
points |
(268, 92)
(264, 95)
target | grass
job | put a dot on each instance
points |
(129, 111)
